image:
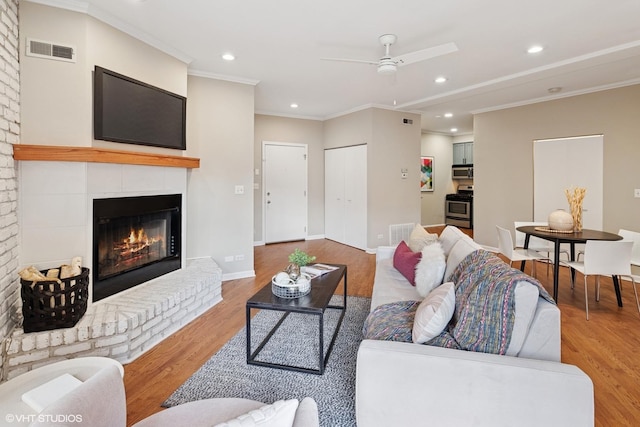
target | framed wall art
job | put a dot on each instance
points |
(426, 173)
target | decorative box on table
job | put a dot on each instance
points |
(54, 304)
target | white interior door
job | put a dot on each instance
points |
(569, 162)
(334, 194)
(355, 192)
(284, 191)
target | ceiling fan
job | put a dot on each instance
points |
(389, 64)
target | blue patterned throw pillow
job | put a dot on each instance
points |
(391, 322)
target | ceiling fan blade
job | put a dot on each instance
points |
(350, 60)
(424, 54)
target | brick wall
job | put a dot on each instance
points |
(9, 135)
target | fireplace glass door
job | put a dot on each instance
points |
(135, 240)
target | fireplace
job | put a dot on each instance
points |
(135, 239)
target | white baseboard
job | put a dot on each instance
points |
(315, 237)
(433, 225)
(238, 275)
(259, 243)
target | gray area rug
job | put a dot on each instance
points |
(227, 374)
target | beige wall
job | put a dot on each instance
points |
(432, 203)
(392, 199)
(391, 147)
(58, 96)
(57, 109)
(503, 156)
(298, 131)
(351, 129)
(220, 132)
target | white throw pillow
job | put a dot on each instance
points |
(434, 313)
(279, 414)
(419, 238)
(449, 236)
(430, 269)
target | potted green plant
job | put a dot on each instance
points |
(296, 260)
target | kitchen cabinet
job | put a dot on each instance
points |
(346, 195)
(463, 153)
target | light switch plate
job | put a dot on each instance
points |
(636, 193)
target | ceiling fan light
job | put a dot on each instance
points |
(387, 68)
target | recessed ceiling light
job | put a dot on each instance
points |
(440, 79)
(228, 57)
(454, 129)
(294, 105)
(535, 49)
(554, 89)
(448, 115)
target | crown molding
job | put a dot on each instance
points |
(234, 79)
(558, 96)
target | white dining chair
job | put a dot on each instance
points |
(634, 237)
(605, 258)
(506, 248)
(543, 247)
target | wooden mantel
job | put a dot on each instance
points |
(54, 153)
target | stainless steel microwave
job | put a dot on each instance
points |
(462, 172)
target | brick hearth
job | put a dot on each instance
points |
(125, 325)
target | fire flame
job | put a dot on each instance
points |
(138, 239)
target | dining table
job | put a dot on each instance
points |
(558, 237)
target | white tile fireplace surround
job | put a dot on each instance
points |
(56, 224)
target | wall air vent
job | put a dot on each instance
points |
(48, 50)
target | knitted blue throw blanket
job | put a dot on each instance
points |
(485, 304)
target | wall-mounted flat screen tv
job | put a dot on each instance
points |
(130, 111)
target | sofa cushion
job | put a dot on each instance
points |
(419, 238)
(461, 248)
(391, 322)
(449, 236)
(391, 286)
(430, 269)
(405, 261)
(434, 313)
(278, 414)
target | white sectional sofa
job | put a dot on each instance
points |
(408, 384)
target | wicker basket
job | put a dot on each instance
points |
(50, 305)
(294, 290)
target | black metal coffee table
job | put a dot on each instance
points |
(314, 303)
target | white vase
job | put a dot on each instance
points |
(560, 220)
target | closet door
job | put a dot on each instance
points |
(346, 195)
(356, 196)
(334, 169)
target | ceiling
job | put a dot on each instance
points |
(278, 45)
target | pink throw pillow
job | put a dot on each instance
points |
(405, 261)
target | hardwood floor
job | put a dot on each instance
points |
(606, 347)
